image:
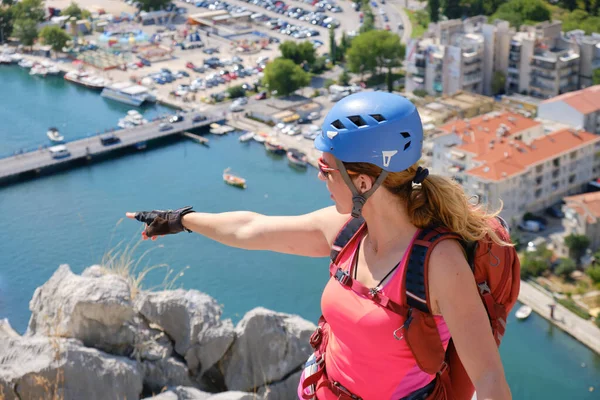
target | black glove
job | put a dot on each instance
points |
(162, 222)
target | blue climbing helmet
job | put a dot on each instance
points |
(379, 128)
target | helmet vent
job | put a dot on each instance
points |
(357, 120)
(378, 117)
(405, 135)
(337, 124)
(407, 145)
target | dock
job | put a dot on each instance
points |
(196, 138)
(35, 162)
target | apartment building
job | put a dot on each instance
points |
(582, 217)
(589, 53)
(579, 109)
(505, 157)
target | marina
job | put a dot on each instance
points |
(29, 164)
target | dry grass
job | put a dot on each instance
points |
(121, 260)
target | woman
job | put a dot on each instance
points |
(371, 143)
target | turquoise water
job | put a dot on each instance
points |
(75, 217)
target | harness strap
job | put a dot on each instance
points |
(344, 278)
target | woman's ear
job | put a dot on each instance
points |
(364, 183)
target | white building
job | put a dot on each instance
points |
(507, 157)
(579, 109)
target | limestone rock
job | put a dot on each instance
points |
(193, 321)
(232, 395)
(93, 310)
(6, 330)
(268, 347)
(284, 390)
(167, 372)
(182, 393)
(39, 368)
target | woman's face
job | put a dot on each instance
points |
(339, 191)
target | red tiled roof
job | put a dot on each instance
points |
(511, 157)
(477, 133)
(585, 101)
(586, 205)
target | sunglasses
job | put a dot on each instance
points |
(325, 169)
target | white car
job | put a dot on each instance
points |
(236, 107)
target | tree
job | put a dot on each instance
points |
(236, 91)
(565, 267)
(577, 245)
(520, 12)
(373, 50)
(74, 11)
(344, 78)
(536, 262)
(368, 19)
(6, 22)
(55, 37)
(298, 52)
(332, 45)
(26, 31)
(569, 4)
(434, 10)
(452, 9)
(30, 9)
(284, 76)
(594, 272)
(596, 77)
(154, 5)
(498, 82)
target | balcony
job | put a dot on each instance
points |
(541, 85)
(472, 78)
(542, 74)
(544, 64)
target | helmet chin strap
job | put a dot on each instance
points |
(359, 199)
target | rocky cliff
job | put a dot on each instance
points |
(93, 337)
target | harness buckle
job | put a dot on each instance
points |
(484, 288)
(345, 391)
(373, 292)
(342, 277)
(316, 337)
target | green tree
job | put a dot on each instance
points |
(577, 245)
(434, 10)
(74, 11)
(373, 50)
(452, 9)
(594, 272)
(498, 82)
(153, 5)
(333, 49)
(596, 77)
(30, 9)
(569, 4)
(535, 262)
(344, 78)
(368, 19)
(520, 12)
(6, 22)
(565, 267)
(284, 76)
(55, 37)
(298, 52)
(26, 31)
(236, 91)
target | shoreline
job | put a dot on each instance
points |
(583, 331)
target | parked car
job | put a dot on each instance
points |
(531, 226)
(108, 139)
(199, 118)
(261, 96)
(536, 218)
(555, 212)
(164, 126)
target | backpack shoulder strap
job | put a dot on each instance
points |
(345, 235)
(416, 282)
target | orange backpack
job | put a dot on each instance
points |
(496, 270)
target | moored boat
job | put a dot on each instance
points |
(523, 312)
(233, 180)
(54, 135)
(273, 147)
(246, 137)
(84, 79)
(296, 158)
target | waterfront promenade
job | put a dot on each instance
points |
(38, 160)
(539, 300)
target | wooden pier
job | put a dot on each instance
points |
(197, 138)
(35, 162)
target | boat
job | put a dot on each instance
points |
(133, 118)
(273, 147)
(82, 78)
(260, 137)
(523, 312)
(233, 180)
(5, 59)
(218, 129)
(53, 70)
(141, 145)
(128, 93)
(38, 69)
(25, 63)
(54, 135)
(296, 158)
(246, 137)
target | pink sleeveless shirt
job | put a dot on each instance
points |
(362, 353)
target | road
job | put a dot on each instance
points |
(582, 330)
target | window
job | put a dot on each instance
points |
(573, 155)
(538, 193)
(539, 169)
(556, 162)
(538, 180)
(572, 179)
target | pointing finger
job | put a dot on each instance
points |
(130, 215)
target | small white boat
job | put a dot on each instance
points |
(133, 118)
(38, 69)
(52, 70)
(25, 63)
(54, 135)
(523, 312)
(246, 137)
